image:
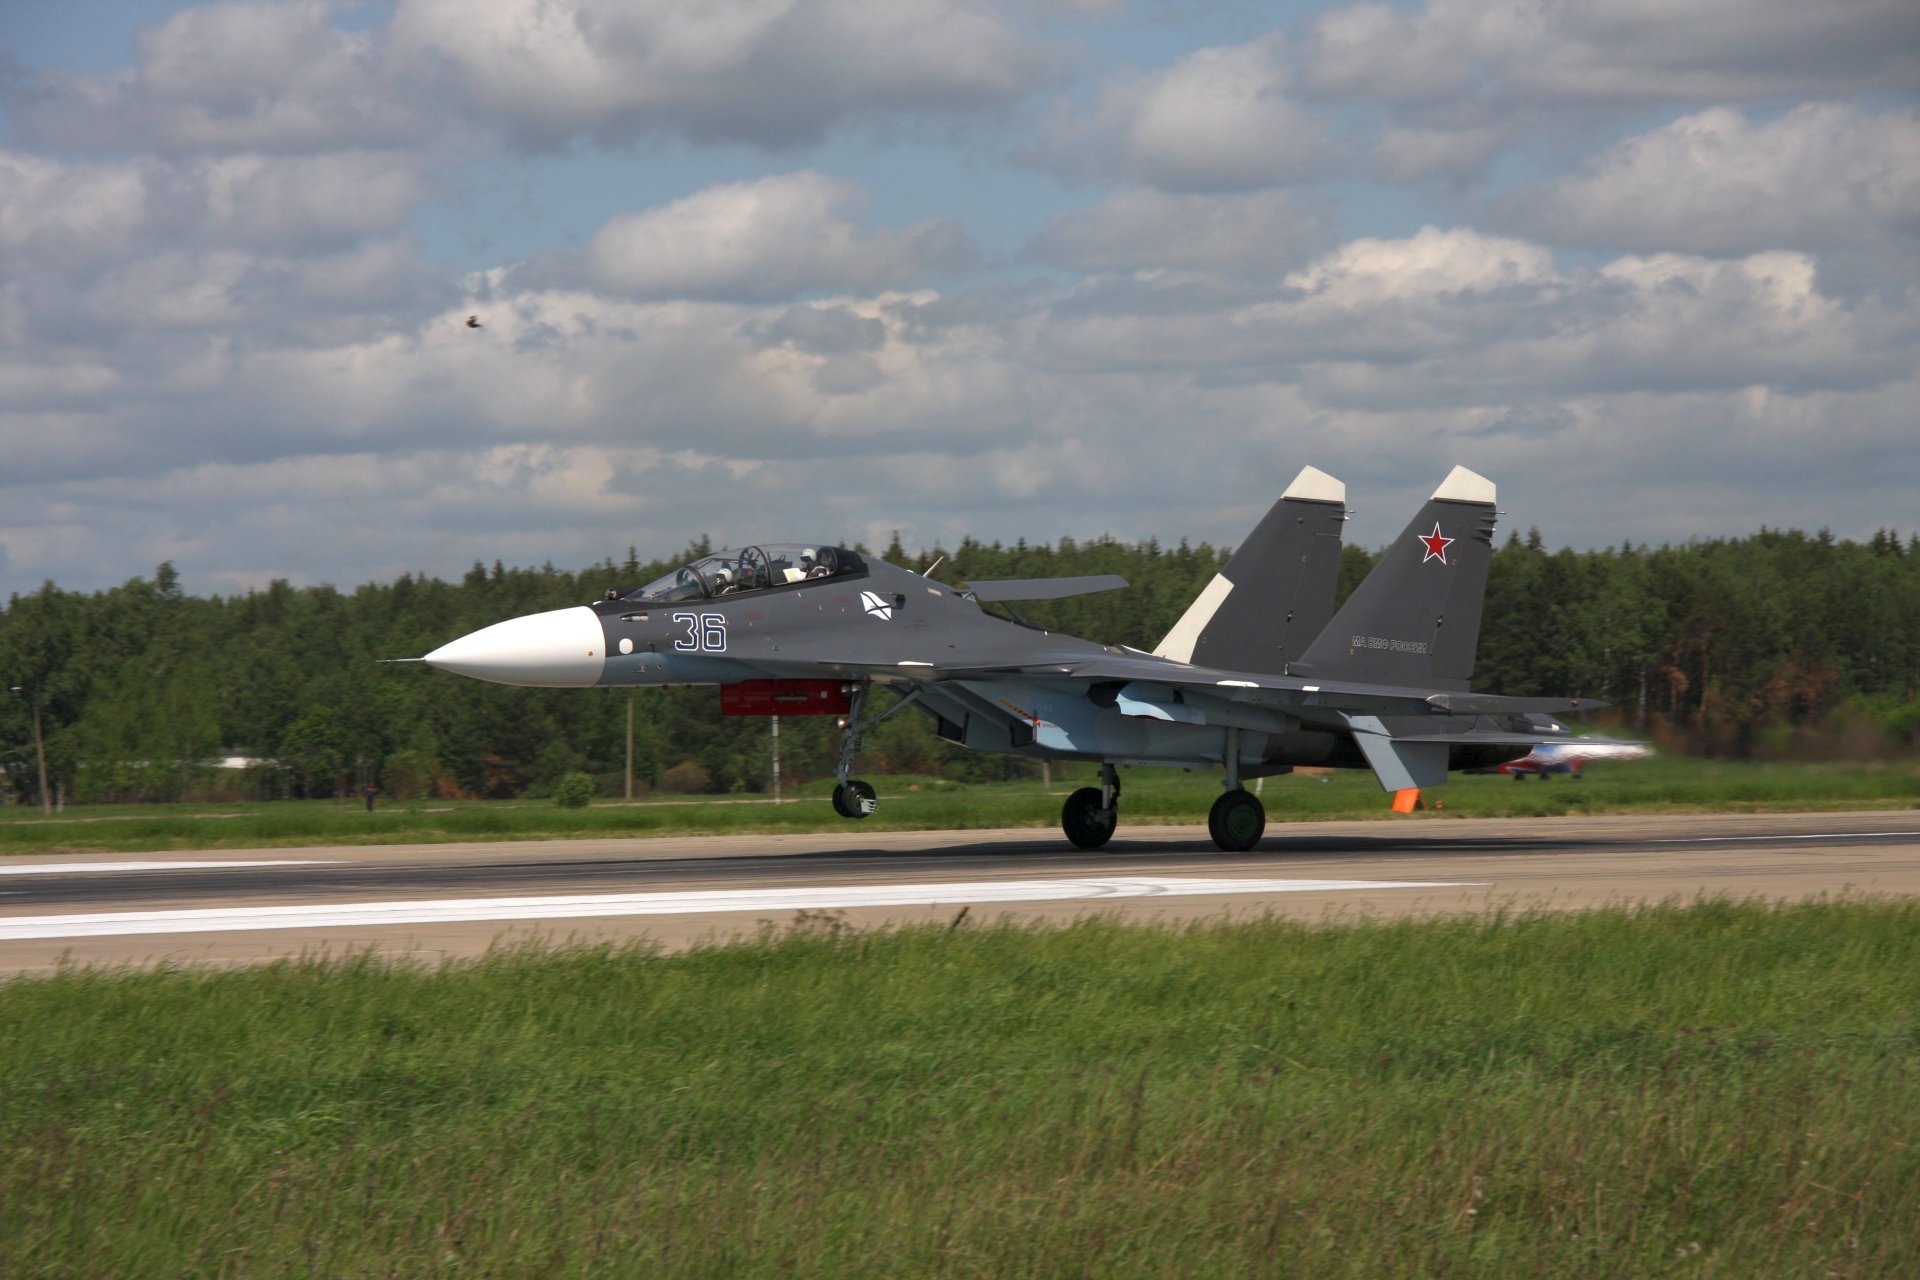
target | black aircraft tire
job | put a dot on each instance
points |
(848, 798)
(1237, 821)
(1087, 824)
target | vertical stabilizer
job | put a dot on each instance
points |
(1276, 593)
(1416, 618)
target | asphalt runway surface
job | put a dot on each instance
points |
(441, 901)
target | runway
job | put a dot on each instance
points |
(434, 902)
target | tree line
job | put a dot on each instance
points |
(1779, 644)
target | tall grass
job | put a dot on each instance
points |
(1713, 1089)
(923, 804)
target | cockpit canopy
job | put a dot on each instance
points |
(749, 569)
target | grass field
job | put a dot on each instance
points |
(1717, 1089)
(1668, 784)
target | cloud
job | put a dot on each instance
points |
(221, 340)
(773, 73)
(1822, 176)
(1430, 264)
(1462, 81)
(1657, 51)
(252, 76)
(246, 76)
(1220, 119)
(1459, 318)
(1144, 230)
(309, 202)
(772, 237)
(73, 218)
(55, 216)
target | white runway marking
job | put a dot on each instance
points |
(1806, 835)
(360, 914)
(54, 868)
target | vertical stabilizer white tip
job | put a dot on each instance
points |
(1315, 485)
(1462, 485)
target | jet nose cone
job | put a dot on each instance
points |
(563, 649)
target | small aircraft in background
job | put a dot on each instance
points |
(1571, 757)
(1258, 675)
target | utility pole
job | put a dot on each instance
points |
(629, 744)
(40, 750)
(776, 759)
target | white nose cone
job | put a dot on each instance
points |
(563, 649)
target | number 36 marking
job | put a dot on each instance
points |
(705, 632)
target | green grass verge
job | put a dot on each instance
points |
(1716, 1089)
(1668, 784)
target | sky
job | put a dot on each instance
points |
(789, 270)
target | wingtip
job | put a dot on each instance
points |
(1462, 485)
(1315, 485)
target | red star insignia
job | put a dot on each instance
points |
(1436, 545)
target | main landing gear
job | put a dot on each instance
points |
(1091, 813)
(1238, 819)
(1236, 822)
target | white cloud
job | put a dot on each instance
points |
(1462, 81)
(254, 76)
(1414, 153)
(307, 202)
(1220, 119)
(769, 238)
(1824, 175)
(60, 216)
(1431, 263)
(1142, 230)
(1640, 50)
(220, 339)
(771, 72)
(238, 76)
(1457, 318)
(65, 218)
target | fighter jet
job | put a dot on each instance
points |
(1570, 757)
(1259, 675)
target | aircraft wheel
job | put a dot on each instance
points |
(854, 799)
(1085, 822)
(1237, 821)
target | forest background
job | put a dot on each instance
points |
(1781, 645)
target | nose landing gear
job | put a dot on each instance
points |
(853, 798)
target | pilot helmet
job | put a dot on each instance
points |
(723, 575)
(806, 558)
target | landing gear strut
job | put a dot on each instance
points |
(1091, 813)
(853, 798)
(1238, 819)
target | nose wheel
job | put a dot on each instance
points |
(1237, 821)
(854, 799)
